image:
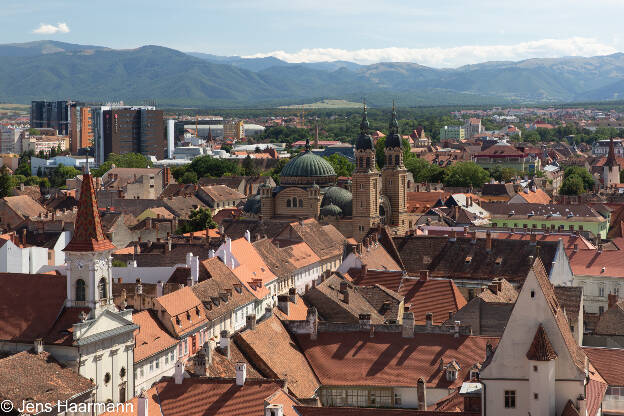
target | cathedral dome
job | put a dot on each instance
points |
(339, 197)
(306, 169)
(331, 210)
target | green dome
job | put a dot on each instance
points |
(331, 210)
(307, 168)
(339, 197)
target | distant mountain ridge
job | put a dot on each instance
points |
(58, 70)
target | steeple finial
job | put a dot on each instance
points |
(394, 124)
(364, 126)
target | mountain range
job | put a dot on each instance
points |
(56, 70)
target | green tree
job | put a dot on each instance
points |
(189, 177)
(23, 168)
(7, 182)
(44, 183)
(583, 174)
(212, 167)
(32, 180)
(226, 148)
(380, 152)
(572, 185)
(424, 171)
(249, 167)
(465, 174)
(200, 219)
(277, 169)
(34, 132)
(341, 164)
(503, 174)
(127, 160)
(59, 175)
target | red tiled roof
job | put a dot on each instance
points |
(570, 409)
(609, 362)
(436, 296)
(151, 337)
(541, 349)
(205, 396)
(390, 280)
(88, 235)
(388, 359)
(595, 391)
(591, 263)
(177, 304)
(153, 408)
(21, 318)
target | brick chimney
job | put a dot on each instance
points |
(421, 393)
(424, 275)
(178, 374)
(407, 330)
(251, 322)
(429, 319)
(292, 295)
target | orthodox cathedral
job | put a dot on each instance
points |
(308, 189)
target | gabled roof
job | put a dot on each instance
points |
(609, 362)
(88, 235)
(390, 360)
(541, 349)
(185, 306)
(151, 338)
(252, 266)
(220, 193)
(39, 378)
(436, 296)
(279, 358)
(219, 396)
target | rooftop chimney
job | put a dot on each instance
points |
(241, 373)
(407, 330)
(139, 287)
(453, 236)
(312, 319)
(429, 319)
(292, 295)
(488, 240)
(142, 406)
(160, 286)
(456, 329)
(424, 275)
(274, 409)
(282, 303)
(365, 319)
(421, 393)
(251, 322)
(533, 238)
(178, 374)
(248, 236)
(225, 343)
(38, 346)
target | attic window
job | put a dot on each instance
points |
(188, 315)
(178, 322)
(451, 374)
(532, 293)
(197, 310)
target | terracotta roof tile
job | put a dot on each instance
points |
(153, 408)
(279, 358)
(570, 409)
(297, 311)
(388, 359)
(220, 193)
(151, 338)
(180, 305)
(592, 262)
(499, 291)
(206, 396)
(609, 362)
(24, 206)
(53, 382)
(385, 301)
(541, 349)
(390, 280)
(436, 296)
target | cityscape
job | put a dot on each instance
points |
(255, 220)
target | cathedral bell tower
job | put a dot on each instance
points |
(366, 183)
(611, 169)
(394, 176)
(88, 254)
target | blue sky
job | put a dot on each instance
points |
(442, 33)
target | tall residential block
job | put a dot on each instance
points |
(132, 129)
(50, 114)
(80, 127)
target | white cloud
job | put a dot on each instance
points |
(47, 29)
(453, 56)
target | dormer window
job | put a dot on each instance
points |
(188, 315)
(178, 322)
(451, 375)
(197, 310)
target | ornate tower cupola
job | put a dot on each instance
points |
(88, 255)
(364, 147)
(366, 184)
(394, 176)
(394, 151)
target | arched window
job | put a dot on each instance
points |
(368, 164)
(288, 203)
(301, 203)
(396, 159)
(103, 289)
(80, 290)
(294, 203)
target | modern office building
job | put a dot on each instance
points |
(234, 129)
(80, 127)
(50, 114)
(452, 133)
(123, 129)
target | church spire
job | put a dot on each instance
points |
(364, 141)
(88, 235)
(364, 126)
(393, 139)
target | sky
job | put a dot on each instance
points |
(441, 33)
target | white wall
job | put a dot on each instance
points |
(144, 378)
(146, 274)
